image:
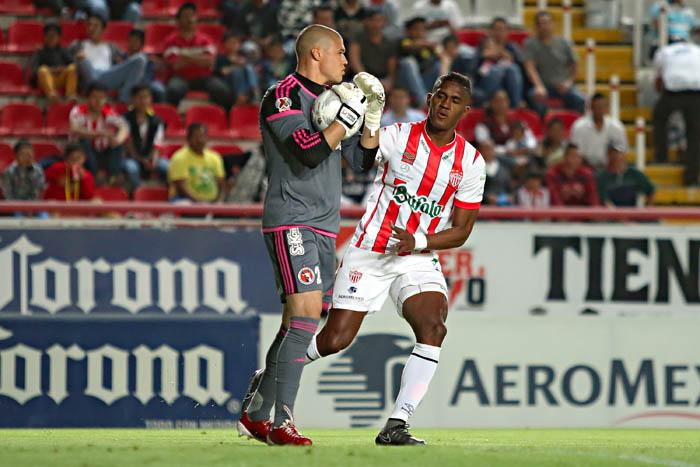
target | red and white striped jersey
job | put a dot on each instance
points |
(418, 184)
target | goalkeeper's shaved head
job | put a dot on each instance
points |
(321, 54)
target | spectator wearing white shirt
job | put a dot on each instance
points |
(400, 110)
(594, 132)
(103, 63)
(678, 79)
(443, 17)
(533, 194)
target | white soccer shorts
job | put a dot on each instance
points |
(365, 279)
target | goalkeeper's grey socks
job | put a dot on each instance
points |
(415, 379)
(264, 397)
(312, 352)
(290, 364)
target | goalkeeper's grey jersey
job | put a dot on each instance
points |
(304, 172)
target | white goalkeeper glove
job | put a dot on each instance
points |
(353, 108)
(373, 90)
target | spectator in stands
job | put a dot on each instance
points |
(443, 17)
(419, 65)
(400, 110)
(275, 64)
(554, 143)
(680, 21)
(593, 132)
(101, 132)
(390, 10)
(497, 125)
(498, 189)
(550, 64)
(372, 51)
(619, 184)
(460, 58)
(115, 10)
(295, 15)
(68, 180)
(102, 62)
(233, 68)
(533, 194)
(23, 180)
(348, 17)
(499, 64)
(259, 20)
(57, 7)
(522, 143)
(52, 66)
(145, 137)
(190, 55)
(196, 173)
(134, 47)
(678, 79)
(570, 182)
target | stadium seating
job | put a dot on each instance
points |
(205, 8)
(57, 123)
(111, 193)
(21, 119)
(214, 31)
(72, 31)
(566, 116)
(167, 150)
(156, 33)
(44, 149)
(223, 149)
(212, 116)
(17, 7)
(120, 107)
(467, 125)
(471, 36)
(7, 157)
(12, 80)
(244, 122)
(154, 8)
(151, 193)
(518, 36)
(24, 37)
(118, 33)
(173, 123)
(531, 118)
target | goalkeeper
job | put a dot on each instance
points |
(301, 215)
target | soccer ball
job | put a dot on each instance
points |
(326, 108)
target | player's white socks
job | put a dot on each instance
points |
(312, 352)
(416, 377)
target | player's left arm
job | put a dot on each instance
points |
(361, 151)
(462, 225)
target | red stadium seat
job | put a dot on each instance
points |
(214, 31)
(24, 37)
(120, 107)
(20, 119)
(173, 123)
(205, 8)
(17, 7)
(117, 32)
(156, 34)
(44, 149)
(566, 116)
(151, 193)
(154, 8)
(7, 157)
(57, 119)
(244, 122)
(471, 36)
(12, 80)
(518, 36)
(223, 149)
(72, 31)
(111, 193)
(167, 150)
(212, 116)
(530, 117)
(466, 126)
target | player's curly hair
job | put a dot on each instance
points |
(455, 77)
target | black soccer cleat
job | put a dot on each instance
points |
(252, 389)
(397, 435)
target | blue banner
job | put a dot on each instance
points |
(135, 272)
(113, 372)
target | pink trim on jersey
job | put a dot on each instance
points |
(392, 211)
(282, 261)
(286, 113)
(281, 85)
(300, 226)
(449, 189)
(463, 205)
(303, 87)
(379, 198)
(304, 141)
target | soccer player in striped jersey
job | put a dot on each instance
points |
(426, 197)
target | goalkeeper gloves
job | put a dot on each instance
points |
(374, 92)
(353, 107)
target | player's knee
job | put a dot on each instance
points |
(338, 342)
(433, 332)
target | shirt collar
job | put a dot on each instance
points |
(310, 85)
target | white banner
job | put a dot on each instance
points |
(498, 371)
(562, 268)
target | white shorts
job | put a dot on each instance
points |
(365, 279)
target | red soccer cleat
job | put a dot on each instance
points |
(287, 434)
(252, 429)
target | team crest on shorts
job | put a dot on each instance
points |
(455, 178)
(355, 276)
(283, 104)
(306, 276)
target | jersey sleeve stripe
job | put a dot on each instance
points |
(309, 143)
(450, 189)
(286, 113)
(463, 205)
(392, 212)
(281, 86)
(374, 211)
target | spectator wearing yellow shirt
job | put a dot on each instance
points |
(195, 172)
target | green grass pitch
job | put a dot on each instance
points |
(541, 448)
